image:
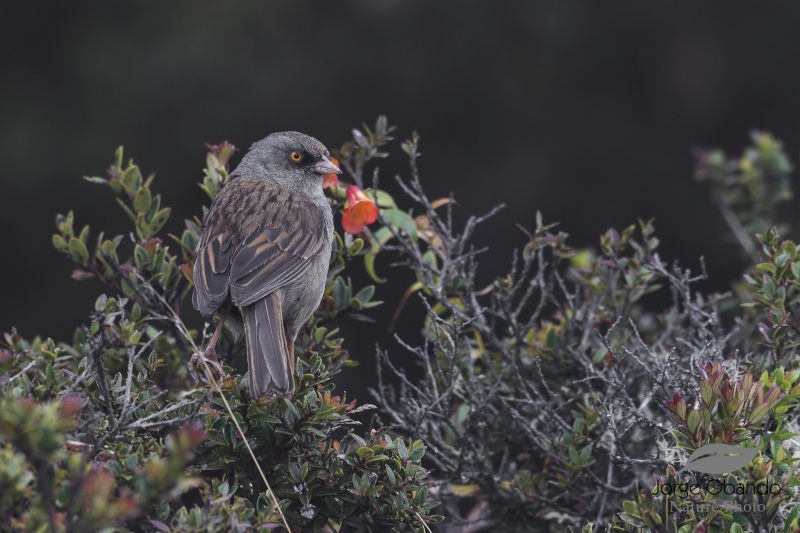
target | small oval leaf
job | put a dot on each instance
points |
(765, 268)
(159, 220)
(78, 251)
(60, 243)
(142, 199)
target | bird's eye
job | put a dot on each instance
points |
(296, 156)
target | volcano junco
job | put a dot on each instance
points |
(265, 249)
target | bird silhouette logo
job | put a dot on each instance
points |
(719, 459)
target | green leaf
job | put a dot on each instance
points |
(142, 227)
(430, 258)
(142, 199)
(383, 199)
(706, 392)
(585, 453)
(693, 420)
(155, 206)
(360, 139)
(355, 247)
(421, 496)
(796, 270)
(416, 454)
(84, 236)
(382, 236)
(340, 293)
(131, 179)
(369, 265)
(60, 243)
(364, 450)
(361, 318)
(118, 155)
(110, 247)
(765, 268)
(100, 303)
(78, 251)
(791, 519)
(390, 475)
(140, 257)
(131, 461)
(400, 221)
(167, 271)
(159, 220)
(127, 290)
(402, 451)
(632, 520)
(365, 294)
(758, 413)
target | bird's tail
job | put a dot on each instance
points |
(268, 356)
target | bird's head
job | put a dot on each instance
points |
(290, 159)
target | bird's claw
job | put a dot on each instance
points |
(199, 358)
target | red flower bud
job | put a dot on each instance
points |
(359, 212)
(330, 180)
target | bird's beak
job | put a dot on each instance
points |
(325, 167)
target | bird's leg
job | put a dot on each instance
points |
(212, 345)
(290, 346)
(210, 353)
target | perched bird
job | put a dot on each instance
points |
(265, 249)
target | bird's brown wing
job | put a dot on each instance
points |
(258, 238)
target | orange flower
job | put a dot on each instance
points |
(330, 180)
(359, 212)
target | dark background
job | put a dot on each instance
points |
(585, 111)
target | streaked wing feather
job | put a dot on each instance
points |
(211, 285)
(257, 238)
(279, 252)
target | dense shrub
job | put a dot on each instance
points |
(553, 393)
(549, 400)
(116, 429)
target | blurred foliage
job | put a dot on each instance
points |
(748, 190)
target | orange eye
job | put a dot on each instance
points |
(296, 156)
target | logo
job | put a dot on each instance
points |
(719, 459)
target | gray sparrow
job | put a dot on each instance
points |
(264, 252)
